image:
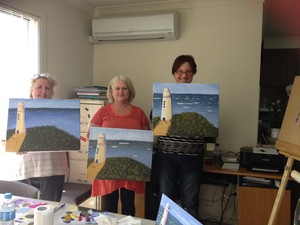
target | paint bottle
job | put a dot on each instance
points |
(217, 155)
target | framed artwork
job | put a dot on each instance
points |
(190, 110)
(171, 213)
(43, 125)
(119, 154)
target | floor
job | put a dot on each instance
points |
(213, 223)
(139, 204)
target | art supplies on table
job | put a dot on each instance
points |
(25, 209)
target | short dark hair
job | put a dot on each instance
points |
(182, 59)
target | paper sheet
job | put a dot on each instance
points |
(231, 166)
(267, 151)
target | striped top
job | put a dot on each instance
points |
(15, 166)
(180, 145)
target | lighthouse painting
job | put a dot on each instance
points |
(119, 154)
(170, 213)
(99, 157)
(20, 124)
(185, 110)
(166, 106)
(43, 125)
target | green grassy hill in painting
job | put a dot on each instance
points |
(190, 124)
(47, 138)
(123, 168)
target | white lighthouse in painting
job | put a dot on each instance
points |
(166, 108)
(20, 123)
(165, 215)
(100, 154)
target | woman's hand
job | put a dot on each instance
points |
(3, 145)
(21, 153)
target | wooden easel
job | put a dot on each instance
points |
(280, 193)
(288, 143)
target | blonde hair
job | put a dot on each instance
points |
(129, 86)
(45, 76)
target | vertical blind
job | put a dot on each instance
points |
(19, 57)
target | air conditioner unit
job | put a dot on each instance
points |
(162, 26)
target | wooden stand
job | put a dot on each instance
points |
(288, 142)
(284, 180)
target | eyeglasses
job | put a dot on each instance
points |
(35, 76)
(188, 73)
(120, 88)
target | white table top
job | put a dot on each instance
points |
(68, 207)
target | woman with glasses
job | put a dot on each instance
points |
(119, 113)
(44, 170)
(179, 160)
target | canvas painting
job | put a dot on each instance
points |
(190, 110)
(289, 137)
(119, 154)
(43, 125)
(171, 213)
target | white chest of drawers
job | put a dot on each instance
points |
(78, 159)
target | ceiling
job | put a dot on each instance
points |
(281, 17)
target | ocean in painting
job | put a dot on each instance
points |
(130, 143)
(63, 114)
(204, 104)
(140, 151)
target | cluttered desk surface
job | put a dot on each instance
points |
(69, 214)
(209, 168)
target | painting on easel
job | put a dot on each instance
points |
(288, 141)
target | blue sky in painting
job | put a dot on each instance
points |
(61, 113)
(187, 88)
(182, 216)
(45, 103)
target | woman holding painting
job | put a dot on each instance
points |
(119, 113)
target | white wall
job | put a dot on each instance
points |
(224, 38)
(65, 50)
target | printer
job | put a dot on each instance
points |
(262, 159)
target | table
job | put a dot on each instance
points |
(255, 203)
(67, 207)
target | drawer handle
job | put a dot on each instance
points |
(82, 180)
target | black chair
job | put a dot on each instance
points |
(19, 189)
(76, 193)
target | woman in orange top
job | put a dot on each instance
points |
(120, 113)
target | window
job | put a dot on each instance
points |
(19, 57)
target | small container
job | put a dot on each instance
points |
(217, 155)
(7, 210)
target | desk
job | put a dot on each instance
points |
(63, 211)
(255, 203)
(241, 172)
